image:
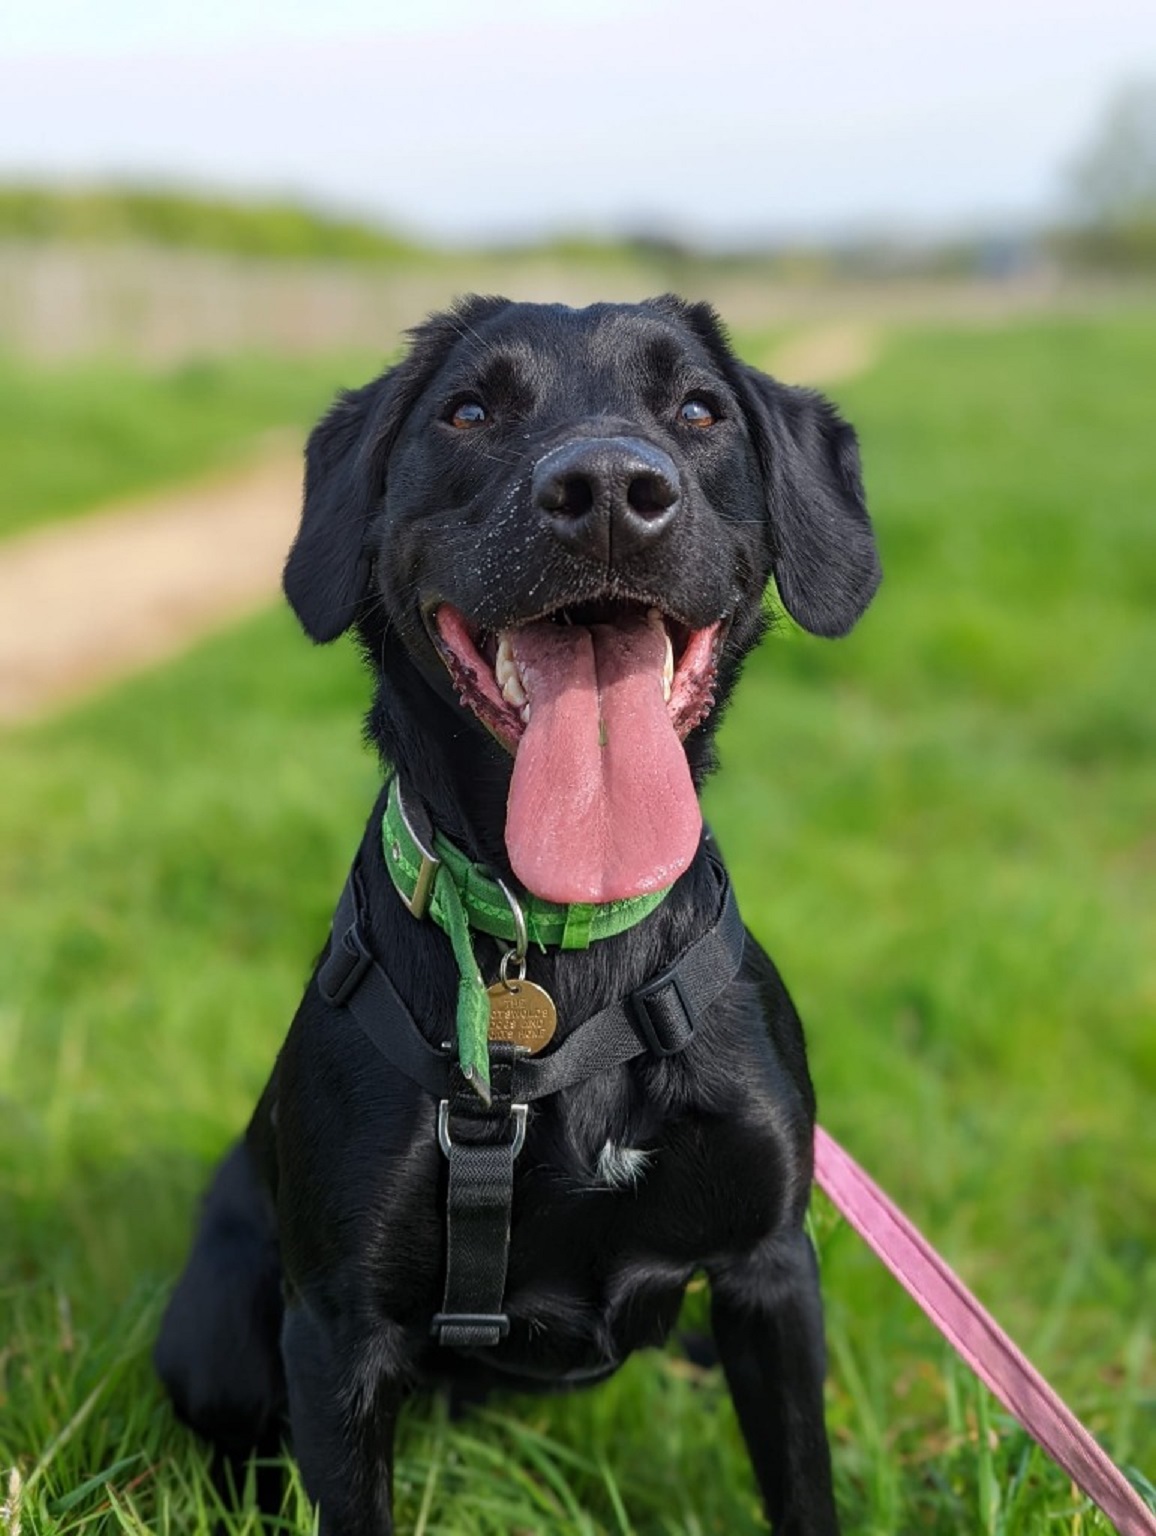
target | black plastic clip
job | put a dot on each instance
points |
(663, 1014)
(471, 1323)
(346, 963)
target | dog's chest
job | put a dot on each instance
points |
(682, 1192)
(606, 1236)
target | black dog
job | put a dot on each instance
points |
(568, 518)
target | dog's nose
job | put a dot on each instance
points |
(606, 497)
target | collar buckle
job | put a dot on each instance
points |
(420, 897)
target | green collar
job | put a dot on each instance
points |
(436, 879)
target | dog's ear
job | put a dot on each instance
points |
(330, 565)
(823, 551)
(824, 558)
(327, 572)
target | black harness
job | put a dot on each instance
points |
(482, 1142)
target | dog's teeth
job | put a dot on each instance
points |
(525, 713)
(507, 674)
(512, 690)
(656, 621)
(504, 662)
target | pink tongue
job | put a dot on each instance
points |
(601, 802)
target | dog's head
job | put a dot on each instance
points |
(567, 518)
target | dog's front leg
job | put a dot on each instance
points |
(343, 1405)
(768, 1327)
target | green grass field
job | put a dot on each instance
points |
(75, 436)
(942, 829)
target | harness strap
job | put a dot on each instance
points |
(349, 977)
(659, 1017)
(482, 1141)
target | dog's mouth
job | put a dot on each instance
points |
(497, 674)
(593, 701)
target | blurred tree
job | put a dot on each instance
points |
(159, 216)
(1113, 183)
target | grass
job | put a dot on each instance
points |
(942, 830)
(72, 437)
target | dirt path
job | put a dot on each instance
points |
(94, 599)
(825, 354)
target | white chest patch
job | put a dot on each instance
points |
(620, 1167)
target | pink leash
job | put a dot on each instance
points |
(977, 1337)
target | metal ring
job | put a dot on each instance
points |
(518, 1113)
(521, 940)
(444, 1141)
(504, 970)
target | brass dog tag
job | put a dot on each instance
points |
(522, 1013)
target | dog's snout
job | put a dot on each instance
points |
(607, 497)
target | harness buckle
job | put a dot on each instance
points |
(663, 1013)
(470, 1328)
(346, 963)
(518, 1113)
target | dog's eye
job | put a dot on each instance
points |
(467, 414)
(696, 413)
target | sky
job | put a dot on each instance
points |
(717, 120)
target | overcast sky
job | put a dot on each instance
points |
(713, 118)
